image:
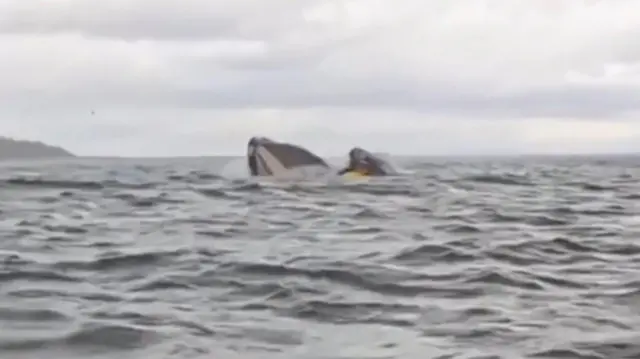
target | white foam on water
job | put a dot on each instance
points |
(235, 169)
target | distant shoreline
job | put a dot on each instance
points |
(15, 149)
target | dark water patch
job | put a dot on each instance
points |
(507, 280)
(608, 348)
(99, 336)
(630, 196)
(546, 221)
(584, 210)
(115, 260)
(366, 278)
(571, 246)
(65, 229)
(458, 228)
(214, 193)
(423, 254)
(357, 312)
(40, 183)
(69, 185)
(8, 275)
(369, 213)
(516, 255)
(137, 200)
(192, 177)
(595, 187)
(558, 281)
(35, 315)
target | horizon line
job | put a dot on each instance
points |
(531, 154)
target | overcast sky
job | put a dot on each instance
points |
(199, 77)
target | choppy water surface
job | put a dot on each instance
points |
(518, 258)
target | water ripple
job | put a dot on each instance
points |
(492, 258)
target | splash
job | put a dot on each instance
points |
(235, 169)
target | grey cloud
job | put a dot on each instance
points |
(159, 19)
(291, 88)
(282, 74)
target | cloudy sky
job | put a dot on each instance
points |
(197, 77)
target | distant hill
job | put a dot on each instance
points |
(11, 149)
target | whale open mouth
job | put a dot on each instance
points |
(269, 158)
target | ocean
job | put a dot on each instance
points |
(530, 257)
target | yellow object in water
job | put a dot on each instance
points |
(355, 174)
